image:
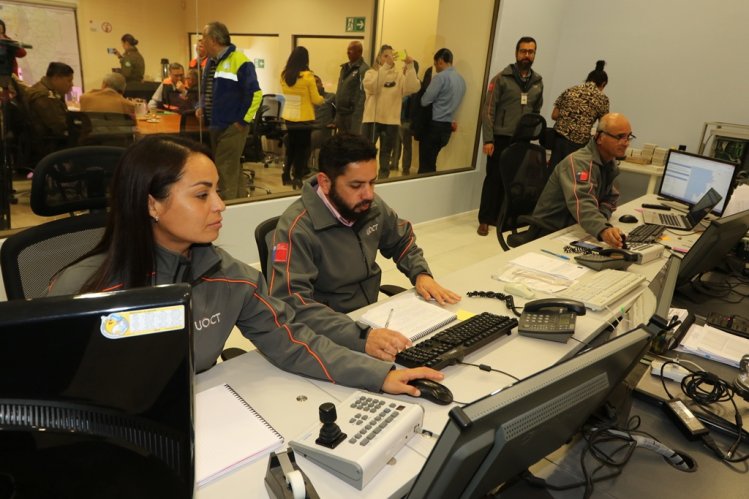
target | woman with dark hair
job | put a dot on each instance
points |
(16, 51)
(301, 94)
(132, 65)
(575, 112)
(165, 214)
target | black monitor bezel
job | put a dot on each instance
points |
(716, 211)
(712, 246)
(111, 425)
(471, 435)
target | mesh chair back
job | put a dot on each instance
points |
(32, 257)
(73, 179)
(262, 231)
(524, 172)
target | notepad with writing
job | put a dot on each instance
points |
(411, 316)
(228, 433)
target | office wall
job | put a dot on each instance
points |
(672, 65)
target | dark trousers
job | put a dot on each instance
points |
(404, 144)
(298, 150)
(563, 147)
(435, 138)
(492, 191)
(387, 135)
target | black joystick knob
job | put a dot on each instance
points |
(330, 433)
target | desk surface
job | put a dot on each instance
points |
(161, 123)
(290, 402)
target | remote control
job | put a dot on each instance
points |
(656, 206)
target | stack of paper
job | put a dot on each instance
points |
(713, 344)
(542, 273)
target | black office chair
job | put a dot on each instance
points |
(271, 126)
(101, 129)
(524, 172)
(74, 179)
(262, 239)
(141, 89)
(30, 258)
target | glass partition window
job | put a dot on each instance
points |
(267, 32)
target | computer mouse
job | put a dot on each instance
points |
(433, 391)
(628, 219)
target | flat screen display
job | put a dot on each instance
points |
(687, 177)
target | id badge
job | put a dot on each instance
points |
(523, 99)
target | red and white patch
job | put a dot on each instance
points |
(280, 252)
(582, 176)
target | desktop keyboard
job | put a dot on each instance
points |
(646, 233)
(444, 348)
(601, 289)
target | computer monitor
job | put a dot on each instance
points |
(687, 177)
(495, 438)
(96, 395)
(720, 237)
(663, 286)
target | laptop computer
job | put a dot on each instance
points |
(688, 221)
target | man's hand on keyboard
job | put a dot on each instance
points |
(428, 288)
(613, 237)
(384, 344)
(396, 380)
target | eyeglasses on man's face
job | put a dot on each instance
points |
(622, 137)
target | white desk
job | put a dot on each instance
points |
(290, 403)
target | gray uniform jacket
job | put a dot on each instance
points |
(580, 190)
(227, 292)
(324, 269)
(503, 106)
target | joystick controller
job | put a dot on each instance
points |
(741, 384)
(330, 433)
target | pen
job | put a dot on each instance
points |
(563, 257)
(390, 316)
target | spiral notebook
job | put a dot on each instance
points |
(409, 315)
(228, 433)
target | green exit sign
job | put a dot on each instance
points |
(355, 24)
(260, 63)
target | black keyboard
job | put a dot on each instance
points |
(646, 233)
(447, 347)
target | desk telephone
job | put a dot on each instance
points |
(371, 429)
(610, 258)
(550, 319)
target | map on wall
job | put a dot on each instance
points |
(50, 30)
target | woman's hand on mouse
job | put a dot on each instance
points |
(396, 381)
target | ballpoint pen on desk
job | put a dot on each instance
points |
(390, 316)
(563, 257)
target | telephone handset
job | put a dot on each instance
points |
(609, 258)
(550, 318)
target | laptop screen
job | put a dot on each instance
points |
(687, 177)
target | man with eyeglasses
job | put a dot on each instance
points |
(513, 92)
(581, 187)
(172, 94)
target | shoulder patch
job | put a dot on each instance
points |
(582, 176)
(491, 86)
(280, 252)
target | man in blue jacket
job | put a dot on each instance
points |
(231, 97)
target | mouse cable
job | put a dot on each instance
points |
(705, 388)
(488, 368)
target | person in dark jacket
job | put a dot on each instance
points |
(132, 64)
(165, 214)
(513, 92)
